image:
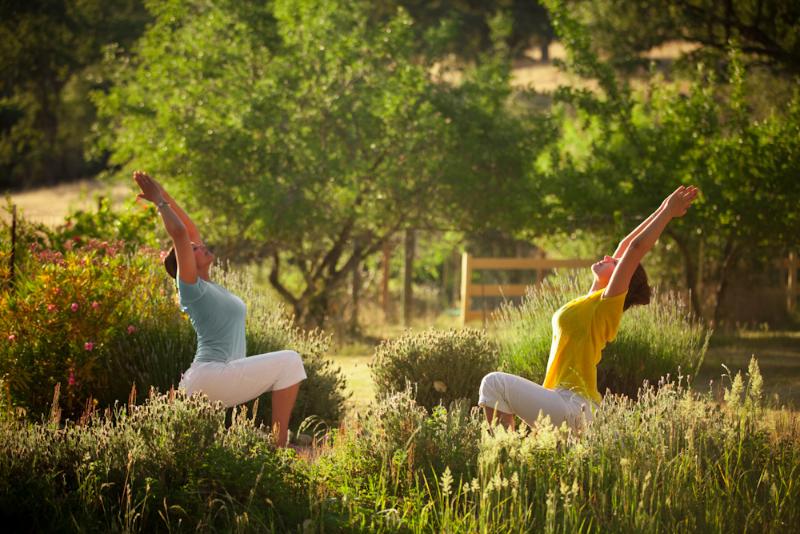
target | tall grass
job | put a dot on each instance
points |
(670, 461)
(169, 464)
(653, 341)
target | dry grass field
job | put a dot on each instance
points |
(49, 205)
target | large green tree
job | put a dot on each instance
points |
(640, 144)
(304, 133)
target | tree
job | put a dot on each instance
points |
(642, 145)
(469, 23)
(766, 30)
(47, 50)
(301, 128)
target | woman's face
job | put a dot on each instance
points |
(202, 256)
(603, 269)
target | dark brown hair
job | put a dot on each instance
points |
(171, 263)
(638, 289)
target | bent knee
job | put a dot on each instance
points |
(492, 382)
(294, 360)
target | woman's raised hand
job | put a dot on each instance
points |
(151, 190)
(680, 200)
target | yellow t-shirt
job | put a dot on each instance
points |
(581, 328)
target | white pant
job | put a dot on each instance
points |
(516, 395)
(242, 380)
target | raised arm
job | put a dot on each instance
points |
(177, 230)
(646, 235)
(194, 234)
(625, 243)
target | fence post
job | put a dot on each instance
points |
(408, 286)
(466, 282)
(12, 258)
(791, 282)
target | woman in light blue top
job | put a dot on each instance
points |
(220, 369)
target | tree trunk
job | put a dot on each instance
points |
(355, 291)
(408, 267)
(691, 273)
(387, 271)
(545, 51)
(313, 311)
(722, 277)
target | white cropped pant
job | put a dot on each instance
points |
(238, 381)
(516, 395)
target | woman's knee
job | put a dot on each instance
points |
(492, 383)
(294, 361)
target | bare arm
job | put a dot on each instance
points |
(177, 230)
(625, 243)
(194, 234)
(674, 206)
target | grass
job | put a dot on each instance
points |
(778, 355)
(50, 205)
(359, 381)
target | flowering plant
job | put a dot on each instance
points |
(63, 312)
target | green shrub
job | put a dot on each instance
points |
(653, 341)
(64, 314)
(444, 365)
(169, 464)
(669, 461)
(133, 227)
(396, 445)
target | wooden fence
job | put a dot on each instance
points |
(469, 264)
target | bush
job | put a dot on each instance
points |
(653, 341)
(168, 464)
(132, 227)
(396, 445)
(444, 365)
(66, 312)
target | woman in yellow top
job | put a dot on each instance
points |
(581, 328)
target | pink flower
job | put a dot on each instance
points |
(162, 254)
(131, 329)
(73, 306)
(12, 337)
(88, 345)
(71, 380)
(95, 304)
(51, 307)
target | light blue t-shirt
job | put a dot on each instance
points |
(218, 318)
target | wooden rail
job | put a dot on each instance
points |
(469, 264)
